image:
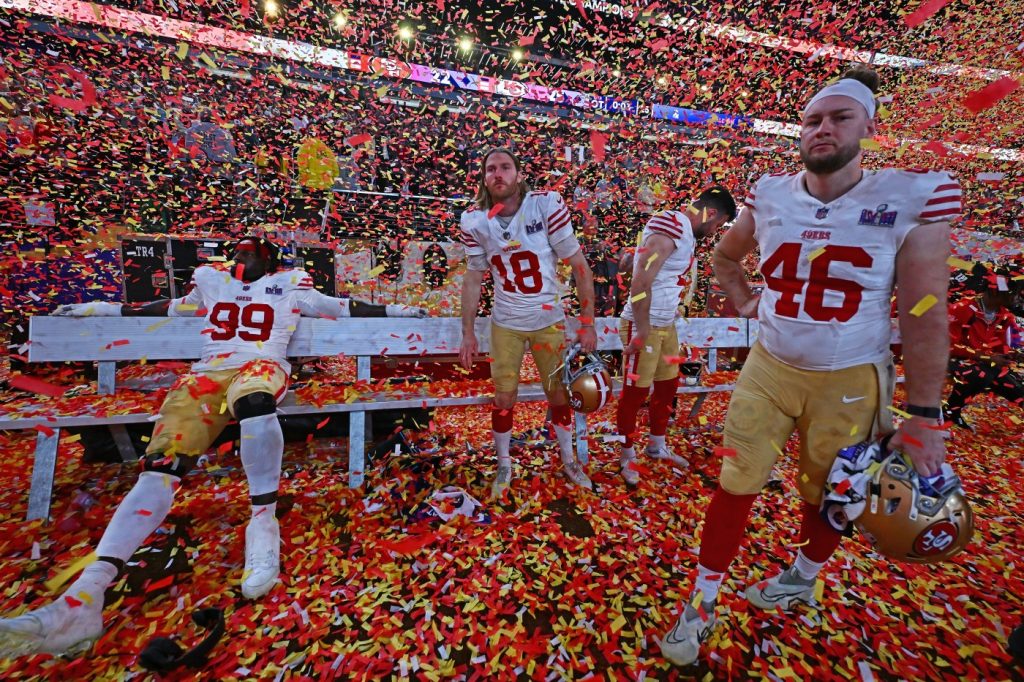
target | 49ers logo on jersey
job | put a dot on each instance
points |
(936, 538)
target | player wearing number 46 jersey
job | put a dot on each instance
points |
(519, 236)
(834, 240)
(252, 310)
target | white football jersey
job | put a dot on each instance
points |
(523, 259)
(829, 269)
(674, 277)
(254, 320)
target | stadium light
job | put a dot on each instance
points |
(271, 8)
(662, 80)
(339, 21)
(616, 73)
(517, 54)
(404, 32)
(465, 43)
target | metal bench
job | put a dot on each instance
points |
(109, 340)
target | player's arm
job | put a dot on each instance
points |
(471, 282)
(584, 278)
(922, 279)
(312, 303)
(647, 263)
(727, 260)
(164, 307)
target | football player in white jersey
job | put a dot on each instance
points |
(519, 235)
(252, 309)
(834, 240)
(661, 273)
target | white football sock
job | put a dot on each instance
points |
(501, 446)
(564, 436)
(626, 455)
(708, 584)
(805, 568)
(656, 443)
(93, 582)
(262, 450)
(141, 512)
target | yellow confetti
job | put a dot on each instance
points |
(922, 306)
(73, 439)
(85, 596)
(955, 262)
(653, 257)
(618, 623)
(165, 71)
(205, 58)
(804, 478)
(156, 325)
(376, 271)
(869, 144)
(814, 254)
(775, 447)
(182, 50)
(56, 581)
(898, 411)
(639, 297)
(819, 590)
(853, 431)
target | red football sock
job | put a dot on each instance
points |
(561, 415)
(661, 404)
(630, 401)
(725, 525)
(822, 540)
(501, 419)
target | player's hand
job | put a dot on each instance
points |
(93, 309)
(924, 441)
(636, 344)
(749, 309)
(467, 351)
(587, 338)
(399, 310)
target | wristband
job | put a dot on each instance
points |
(926, 412)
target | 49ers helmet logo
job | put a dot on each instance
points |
(576, 400)
(936, 538)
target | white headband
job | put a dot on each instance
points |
(847, 87)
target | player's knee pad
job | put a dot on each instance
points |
(173, 465)
(254, 405)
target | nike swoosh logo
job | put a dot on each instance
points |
(852, 400)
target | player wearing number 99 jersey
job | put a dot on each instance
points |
(252, 312)
(518, 236)
(834, 241)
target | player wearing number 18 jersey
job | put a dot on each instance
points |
(252, 311)
(834, 240)
(518, 236)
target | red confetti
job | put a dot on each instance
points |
(495, 210)
(924, 12)
(72, 602)
(33, 385)
(979, 100)
(721, 451)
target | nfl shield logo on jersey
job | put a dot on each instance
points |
(821, 213)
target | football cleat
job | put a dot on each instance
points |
(783, 590)
(502, 480)
(681, 644)
(262, 557)
(575, 473)
(665, 453)
(58, 628)
(630, 475)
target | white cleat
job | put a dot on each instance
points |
(630, 475)
(502, 481)
(784, 591)
(575, 473)
(665, 453)
(681, 644)
(57, 628)
(262, 557)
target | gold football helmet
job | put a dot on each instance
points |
(586, 379)
(908, 521)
